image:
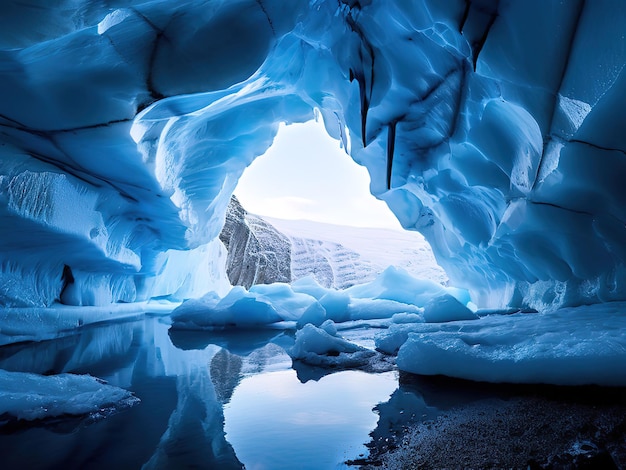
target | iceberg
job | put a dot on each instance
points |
(323, 347)
(29, 397)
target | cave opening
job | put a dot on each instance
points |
(308, 188)
(306, 174)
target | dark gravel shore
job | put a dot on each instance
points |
(525, 427)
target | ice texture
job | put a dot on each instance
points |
(340, 256)
(569, 346)
(321, 346)
(26, 396)
(494, 128)
(305, 301)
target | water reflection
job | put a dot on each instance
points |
(305, 426)
(209, 400)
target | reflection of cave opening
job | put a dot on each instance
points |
(328, 224)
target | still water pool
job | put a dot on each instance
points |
(208, 400)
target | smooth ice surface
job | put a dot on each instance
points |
(326, 409)
(570, 346)
(494, 128)
(39, 324)
(208, 400)
(446, 308)
(31, 396)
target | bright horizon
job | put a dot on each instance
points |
(306, 175)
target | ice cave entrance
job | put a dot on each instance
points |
(306, 175)
(308, 187)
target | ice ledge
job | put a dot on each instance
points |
(571, 346)
(43, 323)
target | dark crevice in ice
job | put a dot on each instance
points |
(67, 278)
(365, 91)
(76, 173)
(460, 98)
(478, 47)
(18, 125)
(47, 134)
(556, 206)
(269, 20)
(468, 5)
(84, 128)
(154, 94)
(81, 174)
(595, 146)
(550, 136)
(391, 142)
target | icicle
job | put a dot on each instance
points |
(391, 142)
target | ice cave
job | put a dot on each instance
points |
(141, 303)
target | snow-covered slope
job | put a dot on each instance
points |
(341, 256)
(496, 128)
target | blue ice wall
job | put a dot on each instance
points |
(496, 128)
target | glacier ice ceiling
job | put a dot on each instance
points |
(495, 128)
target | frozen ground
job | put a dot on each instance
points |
(486, 426)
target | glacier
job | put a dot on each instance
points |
(126, 126)
(494, 128)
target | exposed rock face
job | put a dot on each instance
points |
(257, 252)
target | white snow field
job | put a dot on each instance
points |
(354, 255)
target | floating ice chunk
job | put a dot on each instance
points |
(336, 305)
(322, 347)
(290, 305)
(261, 305)
(446, 308)
(315, 315)
(401, 318)
(393, 292)
(329, 327)
(238, 308)
(308, 285)
(390, 340)
(368, 309)
(570, 346)
(322, 340)
(31, 396)
(397, 284)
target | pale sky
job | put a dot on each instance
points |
(306, 175)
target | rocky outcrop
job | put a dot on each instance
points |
(257, 252)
